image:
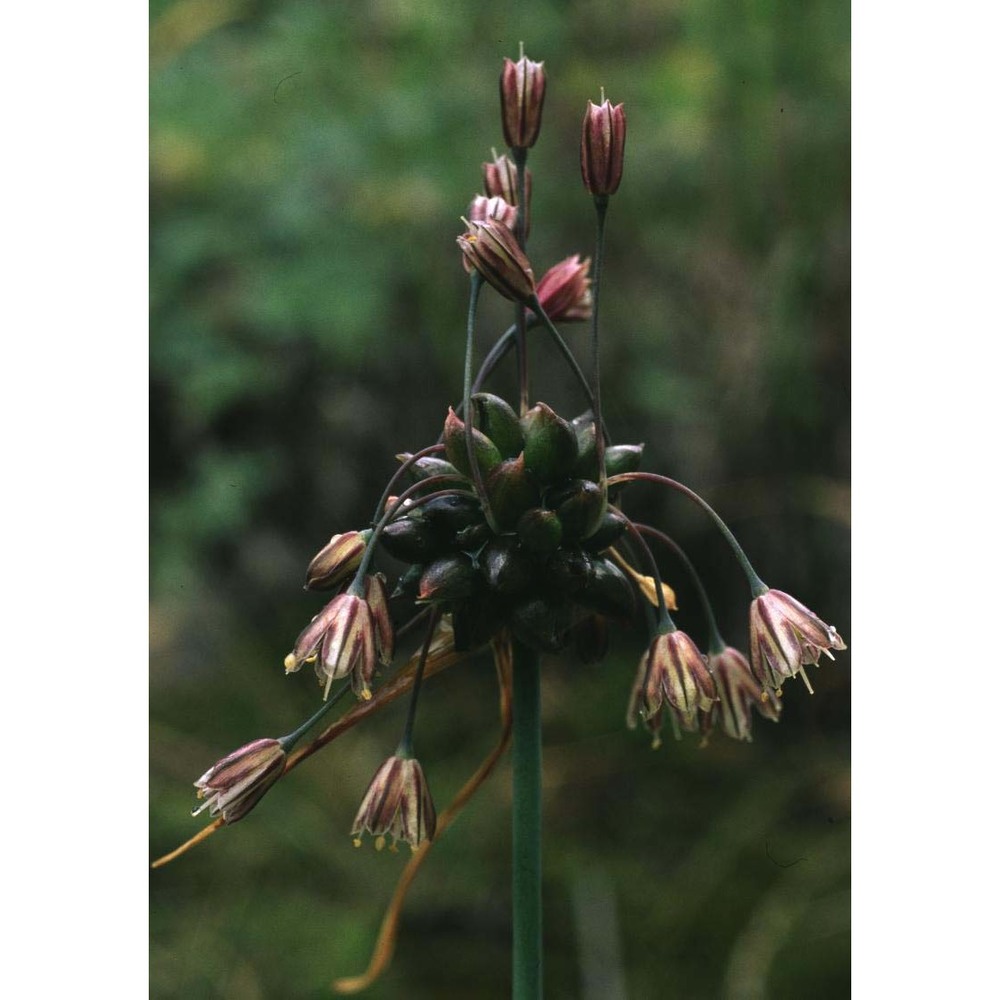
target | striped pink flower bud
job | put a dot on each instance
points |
(602, 147)
(491, 248)
(738, 692)
(522, 94)
(564, 290)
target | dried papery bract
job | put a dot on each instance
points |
(602, 147)
(739, 695)
(233, 786)
(398, 804)
(522, 94)
(785, 636)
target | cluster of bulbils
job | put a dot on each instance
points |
(511, 523)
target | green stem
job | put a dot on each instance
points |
(757, 585)
(664, 622)
(475, 287)
(716, 644)
(601, 205)
(405, 748)
(526, 760)
(287, 742)
(520, 157)
(592, 398)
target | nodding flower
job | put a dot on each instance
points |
(738, 692)
(233, 786)
(785, 636)
(398, 803)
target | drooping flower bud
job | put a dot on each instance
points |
(398, 803)
(234, 785)
(482, 209)
(337, 560)
(378, 602)
(564, 290)
(602, 147)
(491, 248)
(522, 93)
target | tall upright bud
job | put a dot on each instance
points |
(602, 147)
(491, 248)
(522, 93)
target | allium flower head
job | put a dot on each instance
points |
(738, 692)
(522, 94)
(234, 785)
(785, 636)
(673, 675)
(398, 803)
(564, 290)
(341, 642)
(491, 248)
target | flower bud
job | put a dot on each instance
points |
(378, 602)
(500, 180)
(234, 785)
(522, 93)
(602, 147)
(337, 560)
(491, 248)
(398, 803)
(564, 290)
(424, 468)
(497, 209)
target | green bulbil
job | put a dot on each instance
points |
(450, 578)
(410, 540)
(499, 423)
(570, 570)
(424, 468)
(543, 625)
(580, 506)
(608, 590)
(623, 458)
(609, 530)
(506, 567)
(550, 448)
(540, 531)
(487, 454)
(511, 491)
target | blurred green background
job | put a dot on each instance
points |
(309, 162)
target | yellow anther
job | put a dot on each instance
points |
(379, 843)
(357, 841)
(291, 663)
